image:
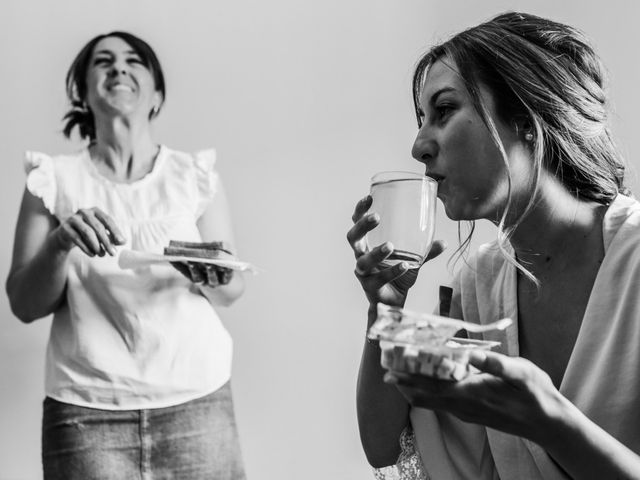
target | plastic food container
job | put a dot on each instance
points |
(424, 344)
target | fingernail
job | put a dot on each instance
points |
(403, 266)
(386, 247)
(374, 217)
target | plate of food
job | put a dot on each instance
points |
(213, 253)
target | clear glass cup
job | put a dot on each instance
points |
(406, 204)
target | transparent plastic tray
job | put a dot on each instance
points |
(424, 344)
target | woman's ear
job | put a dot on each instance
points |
(157, 104)
(524, 128)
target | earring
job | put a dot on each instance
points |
(528, 136)
(154, 111)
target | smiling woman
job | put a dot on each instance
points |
(133, 52)
(138, 361)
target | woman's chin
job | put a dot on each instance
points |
(120, 108)
(458, 213)
(451, 211)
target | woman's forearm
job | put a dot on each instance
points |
(37, 288)
(225, 295)
(586, 451)
(383, 413)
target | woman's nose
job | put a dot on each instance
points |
(424, 148)
(119, 68)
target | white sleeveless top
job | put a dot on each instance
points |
(132, 339)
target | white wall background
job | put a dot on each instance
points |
(304, 101)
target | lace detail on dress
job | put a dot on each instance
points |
(41, 181)
(409, 465)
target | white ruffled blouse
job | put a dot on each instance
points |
(132, 339)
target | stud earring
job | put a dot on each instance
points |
(154, 111)
(528, 136)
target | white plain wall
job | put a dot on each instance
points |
(304, 101)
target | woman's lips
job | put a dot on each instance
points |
(120, 87)
(438, 178)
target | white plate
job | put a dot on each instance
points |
(136, 259)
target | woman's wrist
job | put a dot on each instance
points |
(585, 450)
(224, 294)
(57, 243)
(559, 422)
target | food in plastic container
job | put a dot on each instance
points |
(424, 344)
(449, 361)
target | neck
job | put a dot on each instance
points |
(558, 226)
(123, 147)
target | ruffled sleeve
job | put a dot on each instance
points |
(206, 178)
(409, 466)
(41, 178)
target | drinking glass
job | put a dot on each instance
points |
(406, 204)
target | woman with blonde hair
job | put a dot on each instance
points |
(513, 125)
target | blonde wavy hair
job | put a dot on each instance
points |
(548, 75)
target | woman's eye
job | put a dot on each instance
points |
(443, 110)
(101, 61)
(135, 60)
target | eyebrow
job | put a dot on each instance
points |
(111, 52)
(435, 96)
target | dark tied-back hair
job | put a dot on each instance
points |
(76, 83)
(546, 75)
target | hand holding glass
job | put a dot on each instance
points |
(406, 205)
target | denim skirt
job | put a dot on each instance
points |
(194, 440)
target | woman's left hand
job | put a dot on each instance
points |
(510, 394)
(204, 273)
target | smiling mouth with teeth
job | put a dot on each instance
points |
(121, 87)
